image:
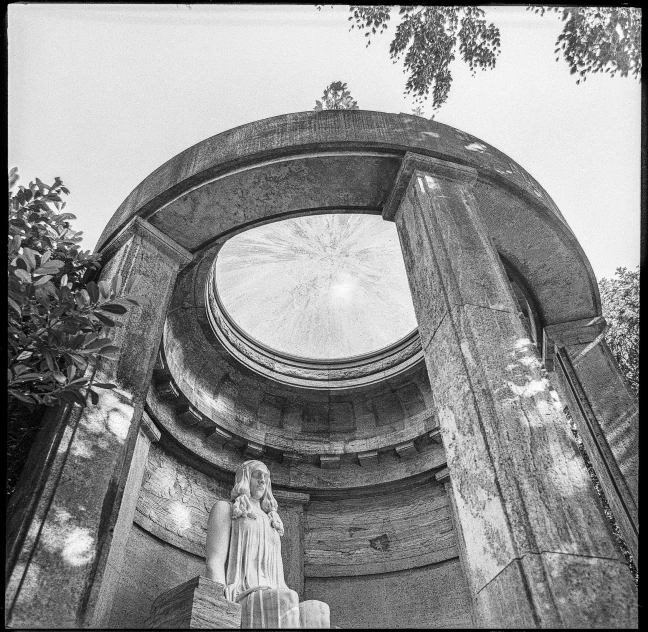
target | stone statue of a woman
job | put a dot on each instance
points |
(244, 554)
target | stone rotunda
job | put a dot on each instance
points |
(431, 482)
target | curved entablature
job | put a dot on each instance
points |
(324, 133)
(347, 161)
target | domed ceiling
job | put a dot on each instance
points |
(320, 287)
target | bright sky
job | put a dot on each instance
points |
(101, 95)
(328, 286)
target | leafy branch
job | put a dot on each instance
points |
(336, 97)
(57, 316)
(598, 39)
(428, 38)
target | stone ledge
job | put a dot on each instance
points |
(195, 605)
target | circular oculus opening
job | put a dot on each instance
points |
(324, 287)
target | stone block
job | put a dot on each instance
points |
(292, 458)
(330, 461)
(405, 449)
(220, 436)
(189, 416)
(168, 390)
(195, 605)
(253, 450)
(369, 458)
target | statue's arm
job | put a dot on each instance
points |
(219, 527)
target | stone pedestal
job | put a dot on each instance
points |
(195, 605)
(538, 549)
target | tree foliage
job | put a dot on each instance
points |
(429, 38)
(620, 302)
(336, 97)
(56, 313)
(599, 39)
(594, 39)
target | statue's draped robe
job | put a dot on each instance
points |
(255, 579)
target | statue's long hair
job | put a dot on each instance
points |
(242, 507)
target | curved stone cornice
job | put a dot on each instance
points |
(395, 467)
(315, 162)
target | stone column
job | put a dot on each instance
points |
(443, 476)
(605, 413)
(148, 434)
(291, 510)
(539, 550)
(58, 572)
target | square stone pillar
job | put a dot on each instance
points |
(291, 510)
(148, 434)
(66, 541)
(195, 605)
(539, 550)
(443, 476)
(605, 412)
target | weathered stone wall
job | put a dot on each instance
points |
(432, 596)
(151, 567)
(390, 542)
(378, 534)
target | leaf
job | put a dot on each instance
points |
(23, 275)
(71, 372)
(72, 397)
(104, 319)
(98, 343)
(24, 355)
(104, 288)
(22, 396)
(15, 306)
(43, 280)
(59, 377)
(94, 397)
(49, 269)
(110, 352)
(49, 358)
(104, 385)
(113, 308)
(27, 377)
(29, 255)
(93, 291)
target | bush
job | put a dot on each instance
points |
(620, 302)
(57, 315)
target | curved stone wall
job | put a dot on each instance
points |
(380, 544)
